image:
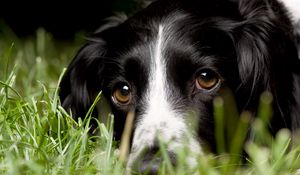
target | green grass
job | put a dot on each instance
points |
(38, 137)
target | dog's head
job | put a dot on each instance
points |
(168, 62)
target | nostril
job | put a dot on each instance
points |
(150, 161)
(150, 167)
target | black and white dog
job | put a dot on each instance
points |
(170, 60)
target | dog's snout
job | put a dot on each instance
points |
(151, 160)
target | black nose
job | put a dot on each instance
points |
(150, 161)
(149, 166)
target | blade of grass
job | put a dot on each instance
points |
(219, 124)
(125, 140)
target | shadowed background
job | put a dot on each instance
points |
(61, 18)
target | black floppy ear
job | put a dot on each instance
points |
(81, 82)
(265, 43)
(84, 77)
(267, 58)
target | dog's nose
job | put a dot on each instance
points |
(149, 166)
(151, 160)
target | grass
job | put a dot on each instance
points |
(38, 137)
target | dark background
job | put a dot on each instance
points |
(61, 18)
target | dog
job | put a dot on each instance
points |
(170, 60)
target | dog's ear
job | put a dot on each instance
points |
(81, 81)
(84, 77)
(265, 39)
(266, 55)
(264, 43)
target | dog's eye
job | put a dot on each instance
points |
(122, 94)
(207, 79)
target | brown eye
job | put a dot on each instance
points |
(122, 95)
(207, 80)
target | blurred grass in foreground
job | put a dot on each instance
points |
(38, 137)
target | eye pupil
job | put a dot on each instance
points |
(124, 90)
(206, 76)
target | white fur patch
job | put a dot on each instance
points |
(293, 7)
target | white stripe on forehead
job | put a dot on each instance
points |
(159, 114)
(159, 118)
(158, 70)
(157, 92)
